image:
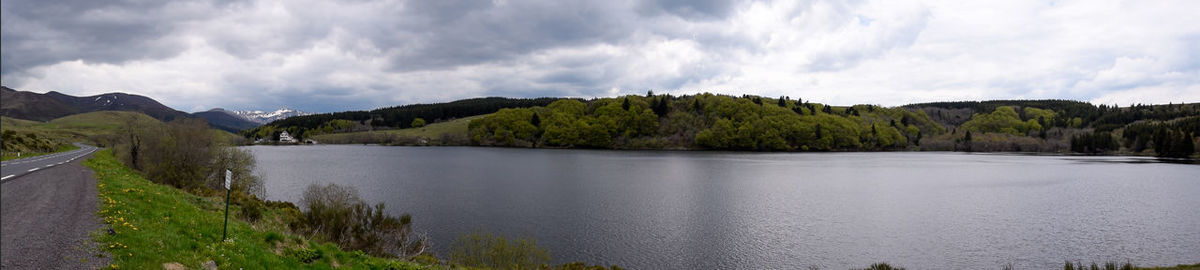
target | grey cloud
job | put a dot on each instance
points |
(46, 32)
(469, 32)
(691, 10)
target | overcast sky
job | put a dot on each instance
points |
(328, 56)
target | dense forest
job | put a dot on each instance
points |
(705, 121)
(755, 123)
(388, 118)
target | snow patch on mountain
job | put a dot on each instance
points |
(262, 117)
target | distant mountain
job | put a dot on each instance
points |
(262, 117)
(44, 107)
(32, 106)
(226, 120)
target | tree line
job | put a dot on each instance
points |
(390, 117)
(706, 121)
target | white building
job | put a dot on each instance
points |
(286, 138)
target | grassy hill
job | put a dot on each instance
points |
(441, 133)
(95, 128)
(29, 105)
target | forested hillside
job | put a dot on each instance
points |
(705, 121)
(754, 123)
(1066, 126)
(388, 118)
(720, 122)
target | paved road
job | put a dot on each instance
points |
(48, 206)
(13, 168)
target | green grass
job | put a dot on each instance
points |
(88, 127)
(82, 127)
(456, 127)
(17, 123)
(62, 148)
(157, 224)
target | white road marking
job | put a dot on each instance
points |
(34, 169)
(6, 177)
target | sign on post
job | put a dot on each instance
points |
(228, 182)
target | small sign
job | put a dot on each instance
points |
(228, 178)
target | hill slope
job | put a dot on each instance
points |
(32, 106)
(51, 105)
(392, 117)
(226, 120)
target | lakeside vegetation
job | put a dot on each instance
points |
(451, 132)
(754, 123)
(399, 117)
(152, 226)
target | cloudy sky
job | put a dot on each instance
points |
(360, 54)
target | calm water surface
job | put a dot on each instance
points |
(709, 210)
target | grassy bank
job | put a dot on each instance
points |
(452, 132)
(153, 225)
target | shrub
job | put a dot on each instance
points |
(484, 250)
(584, 266)
(272, 237)
(882, 266)
(305, 255)
(251, 211)
(336, 214)
(242, 164)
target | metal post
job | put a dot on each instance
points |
(228, 177)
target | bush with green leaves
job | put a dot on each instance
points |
(306, 255)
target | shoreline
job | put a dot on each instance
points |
(1065, 154)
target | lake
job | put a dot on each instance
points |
(723, 210)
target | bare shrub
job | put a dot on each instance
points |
(482, 249)
(337, 214)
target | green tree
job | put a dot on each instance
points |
(418, 122)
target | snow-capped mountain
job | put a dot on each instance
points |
(262, 117)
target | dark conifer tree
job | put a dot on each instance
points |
(535, 120)
(625, 104)
(1187, 146)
